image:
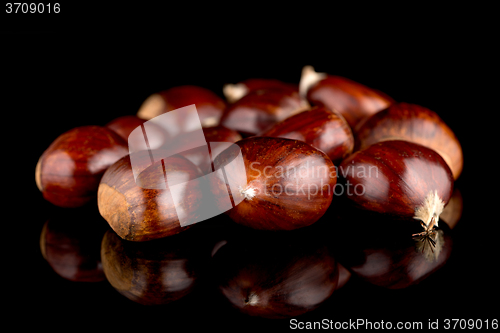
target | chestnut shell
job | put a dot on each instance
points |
(260, 109)
(415, 123)
(395, 177)
(69, 170)
(208, 104)
(353, 100)
(146, 212)
(321, 128)
(293, 183)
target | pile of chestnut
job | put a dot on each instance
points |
(324, 157)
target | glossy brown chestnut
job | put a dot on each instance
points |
(415, 123)
(321, 128)
(399, 178)
(124, 125)
(278, 276)
(234, 92)
(282, 184)
(351, 99)
(154, 273)
(148, 211)
(209, 106)
(69, 170)
(260, 109)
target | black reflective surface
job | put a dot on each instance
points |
(87, 81)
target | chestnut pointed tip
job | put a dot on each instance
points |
(308, 78)
(233, 92)
(428, 212)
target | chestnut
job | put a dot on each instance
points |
(208, 104)
(70, 242)
(353, 100)
(281, 184)
(69, 170)
(143, 208)
(415, 123)
(234, 92)
(321, 128)
(156, 272)
(452, 212)
(275, 276)
(262, 108)
(399, 178)
(203, 156)
(124, 125)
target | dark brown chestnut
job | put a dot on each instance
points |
(399, 178)
(137, 201)
(124, 125)
(260, 109)
(157, 272)
(70, 242)
(69, 170)
(203, 156)
(321, 128)
(280, 184)
(351, 99)
(415, 123)
(208, 104)
(275, 276)
(234, 92)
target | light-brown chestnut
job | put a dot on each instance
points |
(142, 208)
(69, 170)
(260, 109)
(281, 184)
(415, 123)
(124, 125)
(320, 127)
(208, 104)
(353, 100)
(234, 92)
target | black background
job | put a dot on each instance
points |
(89, 66)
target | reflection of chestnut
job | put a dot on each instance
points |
(321, 128)
(156, 272)
(388, 257)
(281, 184)
(71, 242)
(209, 106)
(69, 171)
(275, 276)
(352, 99)
(259, 110)
(234, 92)
(146, 211)
(415, 123)
(399, 178)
